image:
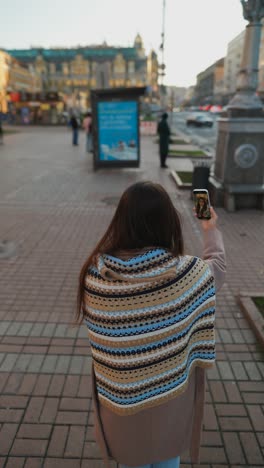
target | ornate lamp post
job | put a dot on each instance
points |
(162, 66)
(247, 81)
(238, 179)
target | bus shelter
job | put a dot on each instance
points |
(115, 127)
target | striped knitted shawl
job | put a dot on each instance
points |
(150, 320)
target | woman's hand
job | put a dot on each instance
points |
(208, 224)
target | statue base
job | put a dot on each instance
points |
(238, 179)
(245, 100)
(235, 197)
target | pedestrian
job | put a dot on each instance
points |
(164, 138)
(150, 309)
(1, 133)
(75, 130)
(87, 125)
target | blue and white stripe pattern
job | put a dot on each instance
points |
(150, 320)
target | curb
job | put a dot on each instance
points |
(178, 181)
(252, 313)
(194, 142)
(205, 156)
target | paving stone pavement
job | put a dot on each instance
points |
(54, 208)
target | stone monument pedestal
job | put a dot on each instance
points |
(238, 180)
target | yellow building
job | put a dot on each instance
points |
(22, 78)
(16, 78)
(74, 72)
(4, 70)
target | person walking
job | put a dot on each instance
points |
(150, 309)
(75, 130)
(87, 125)
(164, 138)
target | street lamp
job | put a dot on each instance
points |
(162, 66)
(252, 9)
(247, 81)
(237, 181)
(163, 41)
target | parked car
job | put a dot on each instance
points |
(199, 120)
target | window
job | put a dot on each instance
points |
(119, 65)
(65, 68)
(131, 68)
(52, 68)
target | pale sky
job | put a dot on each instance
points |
(197, 31)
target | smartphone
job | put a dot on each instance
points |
(202, 203)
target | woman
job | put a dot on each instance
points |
(87, 125)
(202, 209)
(149, 310)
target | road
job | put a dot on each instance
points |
(204, 137)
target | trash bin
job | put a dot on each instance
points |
(201, 173)
(200, 178)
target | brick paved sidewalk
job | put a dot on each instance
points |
(55, 208)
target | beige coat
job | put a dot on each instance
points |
(170, 429)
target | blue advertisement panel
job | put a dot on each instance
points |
(118, 131)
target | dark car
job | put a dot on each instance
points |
(199, 120)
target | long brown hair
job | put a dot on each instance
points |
(145, 217)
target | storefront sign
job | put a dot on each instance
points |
(33, 104)
(45, 107)
(14, 97)
(148, 128)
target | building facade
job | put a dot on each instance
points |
(218, 88)
(4, 58)
(233, 64)
(74, 72)
(209, 85)
(16, 79)
(23, 79)
(175, 96)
